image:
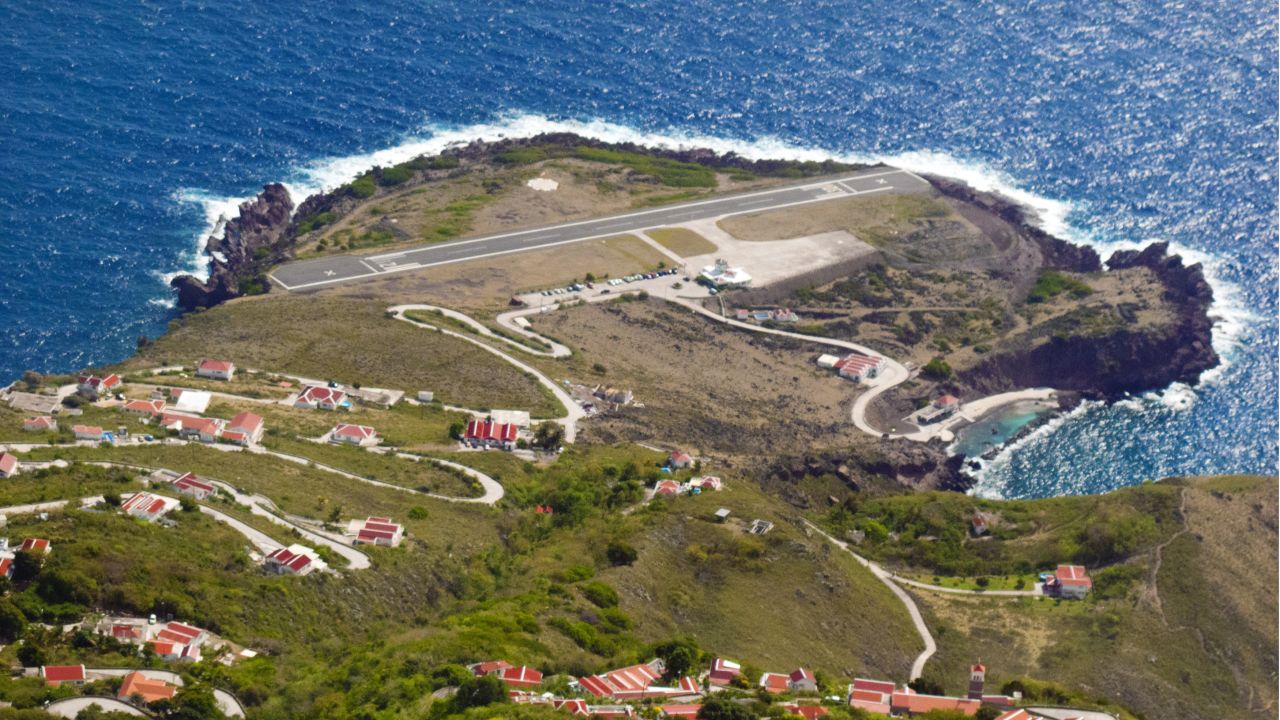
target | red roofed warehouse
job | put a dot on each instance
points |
(487, 433)
(906, 702)
(860, 368)
(215, 369)
(871, 695)
(92, 433)
(146, 506)
(361, 435)
(294, 560)
(38, 546)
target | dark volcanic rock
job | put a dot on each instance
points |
(1124, 362)
(1058, 254)
(250, 242)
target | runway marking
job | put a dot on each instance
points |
(392, 267)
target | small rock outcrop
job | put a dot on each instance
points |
(250, 243)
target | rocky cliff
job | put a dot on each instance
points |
(1127, 361)
(250, 243)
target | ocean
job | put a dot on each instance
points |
(127, 128)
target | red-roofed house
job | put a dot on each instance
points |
(8, 465)
(215, 369)
(801, 680)
(379, 531)
(181, 632)
(245, 428)
(314, 397)
(573, 706)
(173, 651)
(774, 682)
(144, 408)
(127, 633)
(294, 560)
(6, 567)
(488, 667)
(907, 702)
(137, 686)
(39, 546)
(679, 460)
(808, 712)
(859, 368)
(522, 676)
(636, 682)
(871, 695)
(41, 423)
(192, 427)
(487, 433)
(723, 672)
(682, 712)
(361, 435)
(55, 675)
(191, 485)
(1069, 581)
(89, 432)
(146, 506)
(94, 387)
(669, 488)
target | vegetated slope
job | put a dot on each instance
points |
(1190, 635)
(349, 340)
(703, 386)
(779, 601)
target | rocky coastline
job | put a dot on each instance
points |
(1106, 367)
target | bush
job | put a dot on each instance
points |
(620, 553)
(937, 369)
(480, 691)
(363, 186)
(1052, 283)
(392, 176)
(600, 594)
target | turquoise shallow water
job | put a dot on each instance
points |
(997, 428)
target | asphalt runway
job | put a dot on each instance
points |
(321, 272)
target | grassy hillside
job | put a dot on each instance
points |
(1183, 627)
(349, 340)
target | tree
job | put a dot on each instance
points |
(620, 553)
(187, 504)
(31, 655)
(927, 686)
(456, 429)
(937, 369)
(680, 656)
(192, 702)
(548, 436)
(721, 708)
(478, 691)
(12, 621)
(26, 565)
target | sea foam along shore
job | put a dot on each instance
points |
(1053, 216)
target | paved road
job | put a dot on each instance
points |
(884, 576)
(320, 272)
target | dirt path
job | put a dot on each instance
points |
(1153, 591)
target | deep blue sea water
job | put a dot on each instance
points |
(126, 127)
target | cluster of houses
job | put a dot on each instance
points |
(171, 641)
(692, 486)
(94, 387)
(784, 315)
(858, 368)
(36, 546)
(607, 695)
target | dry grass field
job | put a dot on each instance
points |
(349, 340)
(682, 241)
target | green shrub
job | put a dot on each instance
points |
(620, 553)
(1052, 283)
(392, 176)
(363, 186)
(937, 369)
(600, 594)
